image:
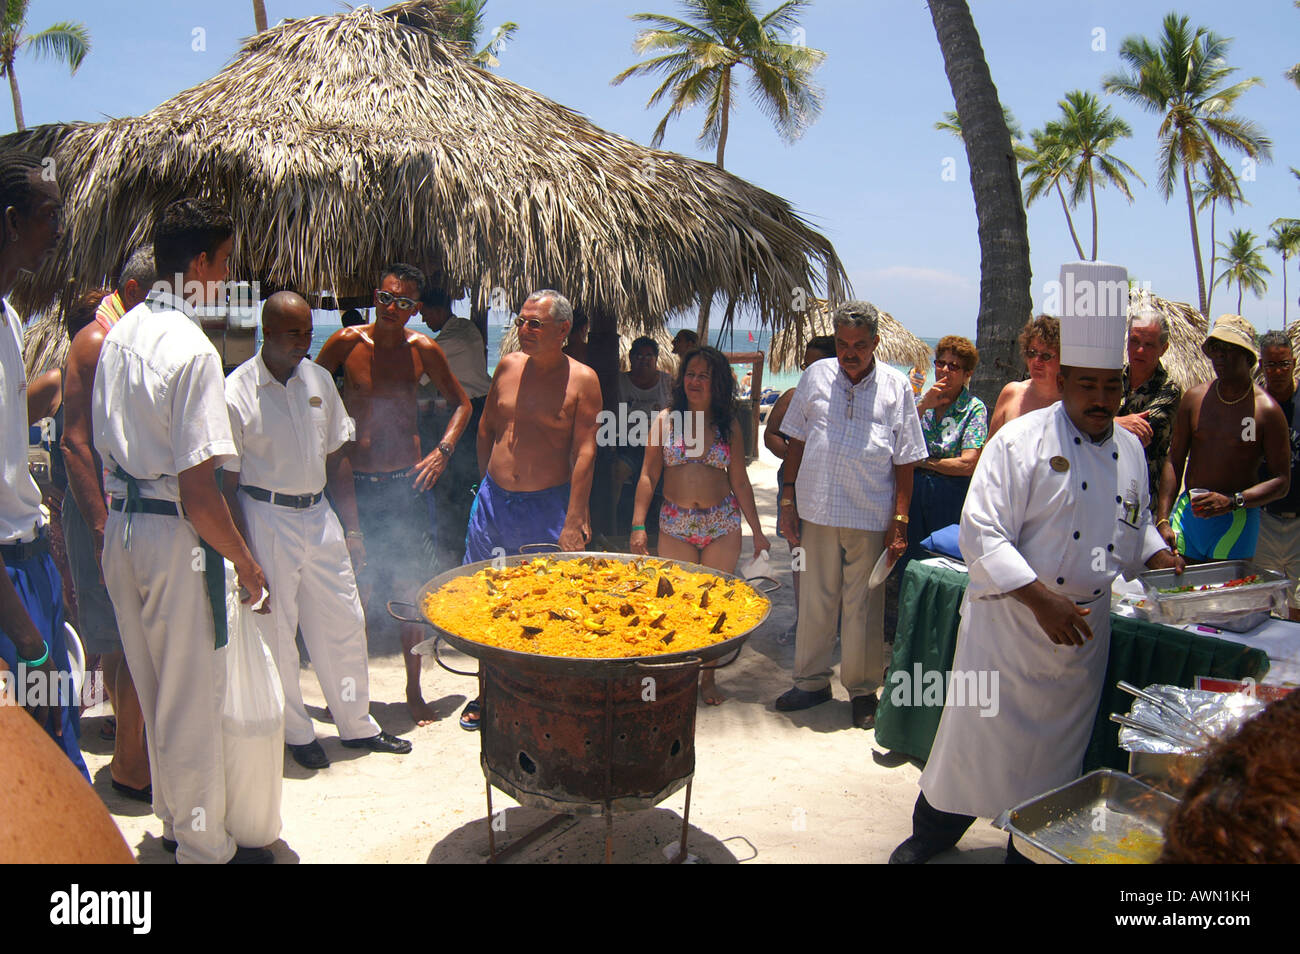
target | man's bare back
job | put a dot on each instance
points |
(1017, 399)
(1228, 441)
(533, 410)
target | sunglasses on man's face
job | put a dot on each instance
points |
(388, 298)
(532, 324)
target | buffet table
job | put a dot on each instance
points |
(1141, 653)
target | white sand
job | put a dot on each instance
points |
(769, 786)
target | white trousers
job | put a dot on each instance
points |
(163, 614)
(834, 589)
(309, 574)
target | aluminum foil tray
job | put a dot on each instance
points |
(1238, 609)
(1105, 817)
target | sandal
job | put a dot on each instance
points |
(471, 708)
(108, 730)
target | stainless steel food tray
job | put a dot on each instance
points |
(1239, 609)
(1092, 814)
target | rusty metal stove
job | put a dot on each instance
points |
(582, 736)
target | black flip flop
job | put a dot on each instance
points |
(138, 794)
(470, 725)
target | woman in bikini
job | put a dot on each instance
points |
(706, 488)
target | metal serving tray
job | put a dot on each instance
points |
(1089, 820)
(1238, 609)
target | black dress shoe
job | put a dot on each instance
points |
(310, 756)
(252, 856)
(797, 699)
(170, 844)
(917, 851)
(383, 742)
(864, 711)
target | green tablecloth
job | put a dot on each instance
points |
(1140, 652)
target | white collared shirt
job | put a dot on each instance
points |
(854, 435)
(159, 406)
(462, 344)
(284, 432)
(20, 498)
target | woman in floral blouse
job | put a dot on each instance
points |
(955, 424)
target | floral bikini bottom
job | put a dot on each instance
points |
(700, 527)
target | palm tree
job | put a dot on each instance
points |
(1285, 240)
(470, 17)
(259, 15)
(66, 41)
(1047, 162)
(1005, 277)
(1219, 183)
(699, 56)
(1086, 131)
(1181, 79)
(1245, 266)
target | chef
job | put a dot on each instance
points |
(290, 428)
(1057, 507)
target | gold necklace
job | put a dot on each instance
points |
(1249, 390)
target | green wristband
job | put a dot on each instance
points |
(40, 661)
(640, 526)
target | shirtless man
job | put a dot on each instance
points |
(536, 445)
(1224, 430)
(1040, 343)
(382, 363)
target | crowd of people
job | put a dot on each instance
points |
(338, 484)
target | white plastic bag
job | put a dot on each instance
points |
(252, 728)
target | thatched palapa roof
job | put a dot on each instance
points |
(1186, 364)
(897, 344)
(343, 142)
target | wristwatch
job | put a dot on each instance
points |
(354, 535)
(787, 501)
(445, 448)
(1238, 501)
(901, 517)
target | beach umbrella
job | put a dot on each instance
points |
(346, 141)
(897, 344)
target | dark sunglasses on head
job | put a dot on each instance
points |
(388, 298)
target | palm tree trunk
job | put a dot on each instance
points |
(1284, 292)
(1074, 236)
(1005, 277)
(18, 99)
(1196, 246)
(259, 15)
(726, 115)
(1209, 284)
(1241, 290)
(1092, 194)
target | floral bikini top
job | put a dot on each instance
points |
(718, 455)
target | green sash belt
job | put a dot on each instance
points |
(214, 567)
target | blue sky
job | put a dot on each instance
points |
(869, 173)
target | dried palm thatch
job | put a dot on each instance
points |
(897, 344)
(343, 142)
(667, 360)
(1186, 364)
(45, 342)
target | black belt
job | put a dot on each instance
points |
(383, 477)
(296, 501)
(161, 508)
(18, 552)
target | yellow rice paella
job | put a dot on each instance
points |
(595, 607)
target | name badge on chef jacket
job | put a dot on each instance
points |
(1132, 506)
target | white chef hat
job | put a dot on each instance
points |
(1094, 314)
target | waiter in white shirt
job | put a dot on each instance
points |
(1057, 507)
(290, 429)
(160, 425)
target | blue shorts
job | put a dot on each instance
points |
(510, 520)
(41, 591)
(1229, 536)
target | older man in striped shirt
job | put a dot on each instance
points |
(854, 439)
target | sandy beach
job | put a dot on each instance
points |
(769, 787)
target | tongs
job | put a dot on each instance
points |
(1165, 706)
(1158, 731)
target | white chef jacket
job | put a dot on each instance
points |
(854, 435)
(158, 406)
(1072, 526)
(20, 498)
(283, 432)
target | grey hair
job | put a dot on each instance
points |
(1274, 339)
(1145, 315)
(139, 267)
(857, 314)
(560, 309)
